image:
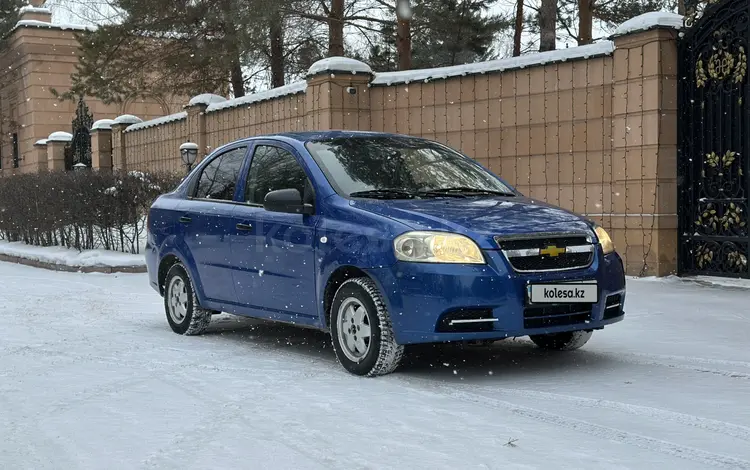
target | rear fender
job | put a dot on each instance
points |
(174, 246)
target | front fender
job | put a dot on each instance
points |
(348, 237)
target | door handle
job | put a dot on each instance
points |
(244, 227)
(185, 220)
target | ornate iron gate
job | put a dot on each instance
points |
(714, 128)
(81, 144)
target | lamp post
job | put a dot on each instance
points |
(189, 154)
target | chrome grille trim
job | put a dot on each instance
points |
(541, 235)
(536, 251)
(510, 254)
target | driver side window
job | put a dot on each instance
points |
(273, 168)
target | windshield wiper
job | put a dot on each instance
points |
(385, 193)
(464, 191)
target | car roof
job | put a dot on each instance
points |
(307, 136)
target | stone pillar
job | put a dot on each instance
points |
(196, 123)
(36, 12)
(101, 145)
(119, 149)
(338, 96)
(644, 150)
(39, 157)
(56, 143)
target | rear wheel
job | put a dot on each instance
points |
(361, 330)
(184, 315)
(567, 341)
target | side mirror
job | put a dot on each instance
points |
(288, 201)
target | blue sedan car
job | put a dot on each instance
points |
(382, 240)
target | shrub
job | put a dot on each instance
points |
(81, 209)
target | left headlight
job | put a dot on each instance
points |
(437, 247)
(604, 240)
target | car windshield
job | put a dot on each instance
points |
(401, 168)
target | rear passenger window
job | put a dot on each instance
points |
(219, 178)
(273, 168)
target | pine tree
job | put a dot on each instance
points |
(444, 33)
(577, 16)
(9, 15)
(181, 48)
(518, 29)
(548, 25)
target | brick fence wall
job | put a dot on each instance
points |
(592, 128)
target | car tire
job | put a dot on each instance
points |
(361, 330)
(184, 315)
(567, 341)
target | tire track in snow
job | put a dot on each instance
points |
(671, 362)
(617, 435)
(706, 424)
(696, 360)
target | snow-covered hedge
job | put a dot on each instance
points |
(83, 210)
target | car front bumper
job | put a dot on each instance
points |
(422, 298)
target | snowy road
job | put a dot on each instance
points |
(91, 377)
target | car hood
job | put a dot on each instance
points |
(479, 218)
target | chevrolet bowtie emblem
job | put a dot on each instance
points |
(552, 251)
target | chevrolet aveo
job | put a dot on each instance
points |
(382, 240)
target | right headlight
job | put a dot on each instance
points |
(604, 240)
(437, 247)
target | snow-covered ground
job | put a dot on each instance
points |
(71, 256)
(91, 377)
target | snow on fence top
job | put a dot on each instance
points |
(541, 58)
(44, 24)
(60, 136)
(207, 99)
(646, 21)
(157, 122)
(103, 124)
(291, 89)
(41, 142)
(339, 64)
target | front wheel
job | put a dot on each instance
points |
(361, 330)
(567, 341)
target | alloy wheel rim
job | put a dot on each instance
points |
(177, 300)
(354, 329)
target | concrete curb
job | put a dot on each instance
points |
(72, 269)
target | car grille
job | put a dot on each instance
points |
(548, 252)
(556, 315)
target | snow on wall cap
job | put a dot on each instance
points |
(207, 99)
(103, 124)
(339, 64)
(33, 9)
(499, 65)
(47, 24)
(651, 20)
(41, 142)
(189, 146)
(60, 136)
(127, 119)
(286, 90)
